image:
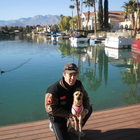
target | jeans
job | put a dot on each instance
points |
(60, 126)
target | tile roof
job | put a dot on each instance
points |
(114, 16)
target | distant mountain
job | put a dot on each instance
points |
(36, 20)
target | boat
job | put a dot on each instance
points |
(136, 46)
(62, 36)
(94, 41)
(79, 39)
(118, 42)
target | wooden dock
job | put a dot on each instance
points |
(114, 124)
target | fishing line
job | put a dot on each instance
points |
(17, 67)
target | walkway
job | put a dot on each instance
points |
(114, 124)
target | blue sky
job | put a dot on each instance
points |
(15, 9)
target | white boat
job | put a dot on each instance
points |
(94, 41)
(78, 44)
(118, 42)
(79, 39)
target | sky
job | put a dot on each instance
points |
(15, 9)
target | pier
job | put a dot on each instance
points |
(121, 123)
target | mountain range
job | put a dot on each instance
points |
(36, 20)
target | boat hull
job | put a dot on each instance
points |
(136, 46)
(78, 40)
(118, 42)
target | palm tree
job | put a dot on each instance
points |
(95, 19)
(100, 15)
(137, 25)
(92, 4)
(106, 14)
(87, 4)
(129, 10)
(72, 7)
(78, 13)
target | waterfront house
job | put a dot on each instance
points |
(41, 29)
(115, 17)
(127, 23)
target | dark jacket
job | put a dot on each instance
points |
(59, 98)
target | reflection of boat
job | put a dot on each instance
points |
(48, 35)
(118, 42)
(136, 57)
(117, 53)
(136, 46)
(54, 37)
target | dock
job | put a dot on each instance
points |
(121, 123)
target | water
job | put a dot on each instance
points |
(28, 67)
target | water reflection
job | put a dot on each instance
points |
(96, 63)
(111, 77)
(131, 77)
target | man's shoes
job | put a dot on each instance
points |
(82, 134)
(77, 133)
(51, 128)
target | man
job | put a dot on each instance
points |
(59, 99)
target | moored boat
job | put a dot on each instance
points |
(118, 42)
(79, 39)
(94, 41)
(78, 45)
(136, 46)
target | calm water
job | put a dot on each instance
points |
(28, 67)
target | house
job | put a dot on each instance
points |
(115, 17)
(41, 29)
(127, 23)
(87, 23)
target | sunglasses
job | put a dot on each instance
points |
(73, 67)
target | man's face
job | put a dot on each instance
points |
(70, 78)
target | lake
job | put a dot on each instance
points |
(110, 76)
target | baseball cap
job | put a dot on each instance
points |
(70, 68)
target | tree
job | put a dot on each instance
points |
(92, 4)
(95, 19)
(137, 19)
(72, 7)
(73, 22)
(64, 23)
(100, 15)
(129, 9)
(106, 14)
(54, 28)
(87, 4)
(78, 13)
